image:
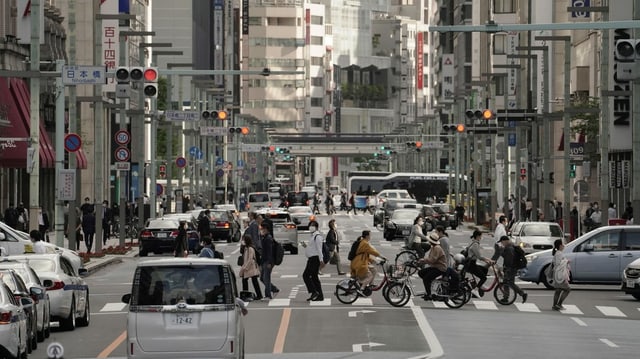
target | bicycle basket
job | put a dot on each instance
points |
(396, 271)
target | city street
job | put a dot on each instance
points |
(599, 321)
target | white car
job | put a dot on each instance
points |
(186, 308)
(68, 294)
(386, 194)
(301, 216)
(631, 279)
(285, 230)
(13, 325)
(536, 236)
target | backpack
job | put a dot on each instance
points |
(326, 253)
(259, 256)
(354, 250)
(519, 260)
(278, 253)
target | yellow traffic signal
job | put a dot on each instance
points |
(222, 115)
(245, 130)
(460, 127)
(488, 115)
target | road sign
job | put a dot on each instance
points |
(576, 150)
(219, 161)
(72, 142)
(83, 75)
(181, 162)
(195, 152)
(122, 137)
(252, 147)
(123, 166)
(512, 139)
(213, 131)
(122, 154)
(159, 189)
(175, 115)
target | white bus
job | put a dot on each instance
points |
(425, 187)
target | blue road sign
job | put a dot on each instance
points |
(72, 142)
(219, 161)
(220, 173)
(512, 140)
(193, 150)
(240, 163)
(181, 162)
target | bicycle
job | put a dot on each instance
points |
(502, 293)
(401, 291)
(131, 228)
(348, 290)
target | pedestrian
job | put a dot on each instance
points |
(253, 231)
(89, 229)
(87, 206)
(596, 216)
(574, 220)
(38, 246)
(612, 212)
(333, 242)
(561, 272)
(23, 217)
(267, 260)
(313, 252)
(79, 237)
(209, 250)
(181, 249)
(11, 216)
(459, 213)
(437, 262)
(501, 229)
(250, 267)
(204, 224)
(362, 268)
(477, 264)
(107, 218)
(352, 204)
(628, 213)
(510, 271)
(559, 212)
(417, 240)
(43, 224)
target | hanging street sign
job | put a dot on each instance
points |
(175, 115)
(84, 75)
(181, 162)
(122, 154)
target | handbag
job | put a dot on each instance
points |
(334, 258)
(240, 260)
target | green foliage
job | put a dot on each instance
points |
(586, 123)
(162, 93)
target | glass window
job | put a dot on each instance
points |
(317, 81)
(316, 20)
(632, 241)
(603, 242)
(317, 61)
(499, 44)
(316, 122)
(504, 6)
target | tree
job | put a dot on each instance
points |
(587, 123)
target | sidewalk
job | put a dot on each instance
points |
(96, 263)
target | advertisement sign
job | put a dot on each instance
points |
(419, 60)
(110, 41)
(620, 107)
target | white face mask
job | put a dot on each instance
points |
(313, 228)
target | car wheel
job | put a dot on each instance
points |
(86, 317)
(69, 323)
(294, 250)
(143, 253)
(636, 295)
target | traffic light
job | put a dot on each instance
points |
(269, 149)
(162, 171)
(523, 174)
(572, 171)
(214, 115)
(150, 79)
(628, 50)
(123, 75)
(327, 122)
(239, 130)
(473, 114)
(414, 145)
(453, 127)
(488, 115)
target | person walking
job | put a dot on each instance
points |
(43, 224)
(267, 260)
(510, 271)
(313, 252)
(204, 224)
(352, 204)
(250, 267)
(501, 228)
(611, 211)
(23, 217)
(89, 229)
(181, 249)
(560, 275)
(11, 216)
(333, 242)
(107, 219)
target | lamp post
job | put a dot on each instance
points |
(566, 118)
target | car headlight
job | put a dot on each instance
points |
(531, 258)
(632, 272)
(524, 245)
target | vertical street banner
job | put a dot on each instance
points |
(542, 15)
(218, 41)
(110, 41)
(620, 107)
(448, 72)
(245, 17)
(513, 41)
(419, 60)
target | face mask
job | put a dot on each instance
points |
(313, 228)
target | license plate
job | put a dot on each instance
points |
(183, 319)
(162, 235)
(631, 283)
(405, 232)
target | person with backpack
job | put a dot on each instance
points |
(333, 241)
(313, 252)
(250, 266)
(511, 267)
(560, 275)
(209, 250)
(268, 260)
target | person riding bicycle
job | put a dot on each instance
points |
(417, 240)
(474, 258)
(437, 262)
(362, 267)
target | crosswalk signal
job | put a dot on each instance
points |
(572, 171)
(523, 174)
(628, 49)
(162, 171)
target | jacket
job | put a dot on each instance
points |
(267, 250)
(360, 264)
(181, 242)
(332, 240)
(416, 234)
(436, 258)
(250, 266)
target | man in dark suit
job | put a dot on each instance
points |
(107, 218)
(43, 224)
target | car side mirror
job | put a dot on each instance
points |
(37, 292)
(588, 247)
(47, 283)
(26, 301)
(126, 298)
(83, 271)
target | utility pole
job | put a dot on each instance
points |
(34, 120)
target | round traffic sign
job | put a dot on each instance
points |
(220, 173)
(72, 142)
(122, 154)
(122, 137)
(159, 189)
(181, 162)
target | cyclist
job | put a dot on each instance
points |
(362, 267)
(510, 271)
(437, 262)
(417, 240)
(475, 260)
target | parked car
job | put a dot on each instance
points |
(631, 279)
(224, 225)
(20, 291)
(536, 236)
(400, 223)
(284, 229)
(68, 294)
(301, 216)
(13, 326)
(448, 217)
(38, 292)
(159, 236)
(598, 256)
(195, 298)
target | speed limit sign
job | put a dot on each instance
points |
(122, 154)
(122, 137)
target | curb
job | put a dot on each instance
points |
(97, 266)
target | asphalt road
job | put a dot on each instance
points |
(600, 321)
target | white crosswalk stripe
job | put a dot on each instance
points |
(610, 311)
(484, 305)
(113, 307)
(527, 307)
(571, 309)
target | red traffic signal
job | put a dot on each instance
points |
(150, 74)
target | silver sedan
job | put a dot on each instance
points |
(301, 216)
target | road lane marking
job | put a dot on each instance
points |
(527, 307)
(289, 276)
(608, 342)
(322, 303)
(610, 311)
(485, 305)
(113, 307)
(571, 309)
(281, 302)
(363, 301)
(428, 333)
(278, 346)
(111, 347)
(439, 304)
(579, 321)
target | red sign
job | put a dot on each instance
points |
(419, 60)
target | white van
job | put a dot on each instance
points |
(184, 308)
(334, 189)
(257, 200)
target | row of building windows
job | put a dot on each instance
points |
(285, 104)
(272, 41)
(282, 83)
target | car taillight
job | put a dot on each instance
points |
(290, 226)
(146, 234)
(56, 285)
(174, 234)
(5, 318)
(269, 204)
(222, 225)
(312, 218)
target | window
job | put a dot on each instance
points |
(316, 122)
(316, 20)
(317, 61)
(317, 101)
(317, 40)
(632, 241)
(499, 44)
(504, 6)
(603, 242)
(317, 81)
(500, 85)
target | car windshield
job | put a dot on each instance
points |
(169, 285)
(259, 197)
(541, 230)
(8, 280)
(300, 210)
(162, 224)
(42, 265)
(400, 214)
(219, 216)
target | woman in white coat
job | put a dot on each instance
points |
(560, 275)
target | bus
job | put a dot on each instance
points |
(425, 187)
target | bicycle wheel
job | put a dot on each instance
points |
(405, 262)
(398, 294)
(346, 291)
(459, 298)
(504, 294)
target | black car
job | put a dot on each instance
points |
(448, 217)
(389, 206)
(297, 199)
(224, 225)
(400, 223)
(159, 236)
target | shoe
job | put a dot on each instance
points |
(319, 272)
(312, 297)
(555, 307)
(258, 298)
(480, 292)
(319, 298)
(426, 296)
(524, 297)
(266, 298)
(475, 293)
